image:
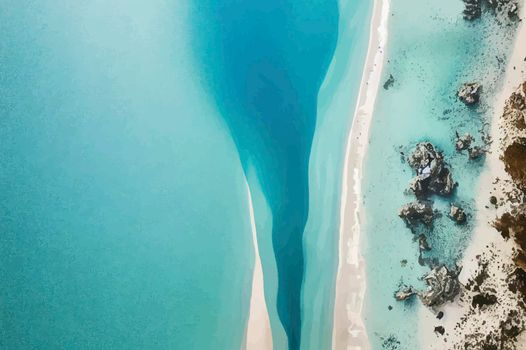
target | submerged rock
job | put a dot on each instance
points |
(476, 152)
(389, 82)
(433, 176)
(422, 243)
(472, 9)
(463, 142)
(457, 214)
(404, 293)
(417, 212)
(443, 285)
(469, 93)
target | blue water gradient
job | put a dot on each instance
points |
(264, 62)
(124, 220)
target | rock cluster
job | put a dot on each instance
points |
(472, 9)
(469, 93)
(501, 8)
(514, 159)
(404, 293)
(476, 152)
(417, 212)
(432, 174)
(443, 285)
(463, 142)
(457, 214)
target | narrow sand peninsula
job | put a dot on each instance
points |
(486, 242)
(258, 333)
(348, 328)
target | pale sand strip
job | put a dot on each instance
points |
(258, 333)
(348, 327)
(484, 234)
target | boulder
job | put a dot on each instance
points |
(443, 285)
(476, 152)
(422, 243)
(417, 212)
(457, 214)
(463, 142)
(469, 93)
(404, 293)
(432, 174)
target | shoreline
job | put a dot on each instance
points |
(348, 327)
(484, 238)
(258, 334)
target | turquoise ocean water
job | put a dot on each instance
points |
(127, 132)
(431, 52)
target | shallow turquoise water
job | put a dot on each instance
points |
(431, 52)
(124, 221)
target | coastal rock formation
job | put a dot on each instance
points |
(513, 224)
(504, 8)
(469, 93)
(476, 152)
(417, 212)
(404, 293)
(457, 214)
(472, 9)
(443, 285)
(463, 142)
(422, 243)
(514, 159)
(432, 174)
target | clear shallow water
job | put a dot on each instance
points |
(431, 52)
(124, 221)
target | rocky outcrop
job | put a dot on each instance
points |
(463, 142)
(513, 224)
(443, 285)
(514, 159)
(476, 152)
(469, 93)
(457, 214)
(472, 9)
(504, 8)
(422, 243)
(404, 293)
(432, 174)
(417, 212)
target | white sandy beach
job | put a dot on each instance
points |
(348, 327)
(485, 240)
(258, 334)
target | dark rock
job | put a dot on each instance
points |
(457, 214)
(418, 212)
(432, 174)
(439, 329)
(481, 300)
(514, 159)
(422, 243)
(404, 293)
(443, 285)
(493, 200)
(440, 315)
(463, 142)
(389, 82)
(476, 152)
(469, 93)
(472, 9)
